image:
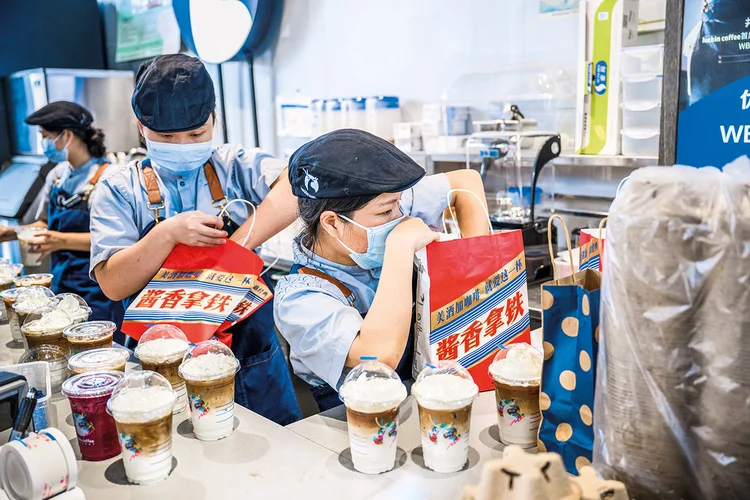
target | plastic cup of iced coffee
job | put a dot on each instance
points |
(90, 335)
(95, 360)
(43, 279)
(46, 329)
(95, 428)
(208, 369)
(29, 241)
(57, 360)
(372, 393)
(160, 350)
(33, 300)
(517, 373)
(7, 276)
(9, 298)
(445, 393)
(141, 405)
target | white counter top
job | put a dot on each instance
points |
(308, 459)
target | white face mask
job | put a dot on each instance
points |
(179, 158)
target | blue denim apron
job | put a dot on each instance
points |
(326, 396)
(263, 383)
(69, 213)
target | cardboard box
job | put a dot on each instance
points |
(604, 30)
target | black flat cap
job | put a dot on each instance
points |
(350, 162)
(57, 116)
(173, 93)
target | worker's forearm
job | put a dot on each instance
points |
(78, 242)
(128, 271)
(471, 211)
(277, 211)
(385, 330)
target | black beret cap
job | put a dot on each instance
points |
(350, 162)
(61, 115)
(173, 93)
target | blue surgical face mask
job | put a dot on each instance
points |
(376, 237)
(51, 152)
(179, 158)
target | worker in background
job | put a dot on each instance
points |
(367, 208)
(70, 140)
(132, 233)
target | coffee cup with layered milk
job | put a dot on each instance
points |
(445, 393)
(141, 405)
(517, 373)
(161, 349)
(372, 393)
(208, 369)
(90, 335)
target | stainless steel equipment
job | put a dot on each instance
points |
(511, 165)
(105, 93)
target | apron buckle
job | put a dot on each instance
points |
(155, 209)
(220, 204)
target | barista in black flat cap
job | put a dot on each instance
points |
(367, 208)
(176, 195)
(70, 140)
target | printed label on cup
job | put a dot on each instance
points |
(518, 415)
(373, 440)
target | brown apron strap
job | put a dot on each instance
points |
(152, 186)
(99, 173)
(330, 279)
(217, 193)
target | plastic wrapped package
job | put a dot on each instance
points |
(671, 413)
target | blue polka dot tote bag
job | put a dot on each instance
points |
(570, 322)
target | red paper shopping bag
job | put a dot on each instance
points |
(592, 248)
(196, 289)
(471, 299)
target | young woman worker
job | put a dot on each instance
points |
(367, 208)
(144, 209)
(70, 140)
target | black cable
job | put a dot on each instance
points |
(253, 103)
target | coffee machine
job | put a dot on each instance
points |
(515, 165)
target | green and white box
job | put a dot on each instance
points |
(606, 27)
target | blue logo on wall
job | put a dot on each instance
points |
(600, 78)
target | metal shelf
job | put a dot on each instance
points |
(565, 160)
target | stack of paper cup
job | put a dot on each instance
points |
(161, 349)
(141, 405)
(372, 393)
(444, 394)
(208, 370)
(38, 467)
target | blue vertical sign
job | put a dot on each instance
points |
(713, 126)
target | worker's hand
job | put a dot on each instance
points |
(47, 242)
(194, 229)
(7, 233)
(411, 235)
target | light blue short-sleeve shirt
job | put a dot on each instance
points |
(314, 316)
(72, 180)
(119, 212)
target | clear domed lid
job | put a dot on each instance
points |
(52, 354)
(7, 273)
(74, 306)
(10, 294)
(34, 280)
(46, 321)
(141, 396)
(518, 362)
(90, 331)
(208, 360)
(34, 299)
(162, 343)
(91, 385)
(372, 385)
(98, 359)
(444, 384)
